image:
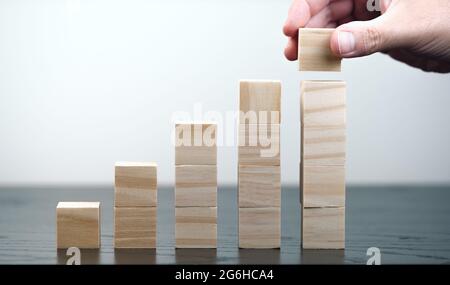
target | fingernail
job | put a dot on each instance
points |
(346, 42)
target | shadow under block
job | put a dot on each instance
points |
(196, 186)
(260, 102)
(314, 50)
(259, 186)
(323, 104)
(196, 227)
(259, 227)
(259, 144)
(195, 144)
(323, 228)
(323, 186)
(135, 184)
(135, 227)
(78, 224)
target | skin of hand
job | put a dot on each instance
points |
(415, 32)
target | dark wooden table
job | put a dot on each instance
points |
(409, 225)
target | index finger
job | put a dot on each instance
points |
(300, 13)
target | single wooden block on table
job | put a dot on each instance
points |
(323, 104)
(323, 145)
(259, 144)
(260, 102)
(323, 228)
(195, 144)
(78, 224)
(259, 227)
(259, 186)
(135, 184)
(323, 186)
(314, 50)
(196, 186)
(135, 227)
(196, 227)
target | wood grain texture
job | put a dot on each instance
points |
(323, 186)
(259, 144)
(196, 186)
(259, 186)
(260, 102)
(135, 227)
(195, 143)
(78, 225)
(259, 227)
(135, 184)
(323, 145)
(196, 227)
(323, 228)
(323, 104)
(314, 50)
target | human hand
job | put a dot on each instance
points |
(416, 32)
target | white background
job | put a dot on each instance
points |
(86, 83)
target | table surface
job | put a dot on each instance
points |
(410, 225)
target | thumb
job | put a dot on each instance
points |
(357, 39)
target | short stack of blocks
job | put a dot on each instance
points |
(322, 168)
(135, 205)
(78, 225)
(195, 185)
(259, 195)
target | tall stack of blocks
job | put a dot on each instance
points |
(259, 194)
(195, 185)
(323, 126)
(135, 205)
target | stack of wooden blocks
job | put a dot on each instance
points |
(135, 205)
(323, 126)
(259, 194)
(78, 225)
(195, 185)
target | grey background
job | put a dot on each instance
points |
(86, 83)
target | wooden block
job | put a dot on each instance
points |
(259, 186)
(323, 145)
(260, 102)
(259, 144)
(195, 144)
(323, 104)
(314, 50)
(259, 227)
(323, 186)
(135, 227)
(196, 186)
(78, 224)
(135, 184)
(323, 228)
(196, 227)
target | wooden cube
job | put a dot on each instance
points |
(260, 102)
(323, 145)
(78, 224)
(323, 104)
(259, 186)
(196, 227)
(323, 186)
(259, 227)
(314, 50)
(323, 228)
(135, 184)
(196, 186)
(259, 144)
(195, 144)
(135, 227)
